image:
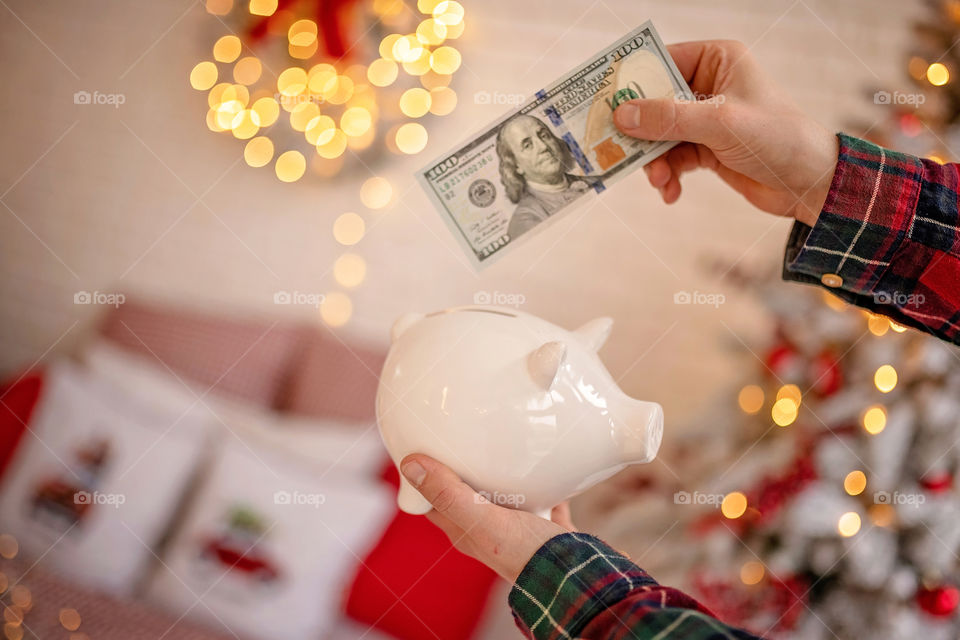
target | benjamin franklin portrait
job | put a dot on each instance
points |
(534, 169)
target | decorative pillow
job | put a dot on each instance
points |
(335, 380)
(268, 545)
(248, 360)
(93, 487)
(415, 585)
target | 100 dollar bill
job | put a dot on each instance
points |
(556, 149)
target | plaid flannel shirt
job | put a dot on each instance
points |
(575, 586)
(887, 238)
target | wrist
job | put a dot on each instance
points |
(823, 163)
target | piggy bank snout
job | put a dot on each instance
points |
(639, 430)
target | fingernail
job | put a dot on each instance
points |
(627, 115)
(414, 472)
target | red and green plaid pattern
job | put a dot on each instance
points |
(575, 586)
(889, 229)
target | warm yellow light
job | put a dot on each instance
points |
(348, 228)
(791, 391)
(376, 192)
(349, 270)
(899, 328)
(227, 49)
(13, 631)
(407, 49)
(448, 12)
(336, 309)
(855, 482)
(751, 399)
(333, 147)
(292, 81)
(849, 524)
(337, 90)
(227, 113)
(245, 124)
(387, 45)
(917, 67)
(833, 301)
(219, 7)
(361, 142)
(382, 72)
(411, 138)
(290, 166)
(418, 66)
(885, 378)
(302, 33)
(21, 596)
(9, 547)
(875, 419)
(302, 114)
(882, 515)
(445, 60)
(878, 325)
(203, 75)
(247, 70)
(443, 100)
(268, 110)
(263, 7)
(427, 6)
(319, 75)
(236, 92)
(355, 121)
(70, 619)
(258, 152)
(320, 130)
(212, 123)
(734, 505)
(938, 74)
(431, 32)
(388, 8)
(751, 572)
(454, 31)
(784, 412)
(215, 97)
(415, 102)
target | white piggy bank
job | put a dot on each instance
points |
(523, 410)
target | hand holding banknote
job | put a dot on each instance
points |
(750, 133)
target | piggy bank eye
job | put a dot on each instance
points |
(544, 362)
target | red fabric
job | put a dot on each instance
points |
(246, 359)
(415, 585)
(335, 380)
(17, 401)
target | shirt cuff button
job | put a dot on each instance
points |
(831, 280)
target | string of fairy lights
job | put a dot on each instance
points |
(310, 109)
(784, 410)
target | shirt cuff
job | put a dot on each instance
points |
(867, 215)
(569, 580)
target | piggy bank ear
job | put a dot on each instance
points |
(596, 332)
(544, 363)
(403, 323)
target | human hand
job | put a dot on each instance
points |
(503, 539)
(754, 137)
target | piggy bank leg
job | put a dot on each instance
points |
(410, 501)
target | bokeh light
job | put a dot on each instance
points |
(376, 192)
(938, 74)
(290, 166)
(247, 70)
(263, 7)
(875, 419)
(382, 72)
(734, 505)
(415, 102)
(445, 60)
(751, 572)
(227, 49)
(267, 110)
(349, 270)
(443, 100)
(784, 412)
(258, 152)
(411, 138)
(885, 378)
(336, 309)
(333, 147)
(855, 482)
(348, 228)
(355, 121)
(849, 524)
(751, 399)
(203, 75)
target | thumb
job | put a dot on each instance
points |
(443, 489)
(671, 119)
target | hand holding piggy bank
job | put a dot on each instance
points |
(521, 409)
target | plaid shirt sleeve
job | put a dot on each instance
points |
(887, 238)
(575, 586)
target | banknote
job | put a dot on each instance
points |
(557, 149)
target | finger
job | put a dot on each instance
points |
(442, 488)
(561, 515)
(701, 62)
(448, 526)
(684, 158)
(671, 192)
(671, 119)
(658, 172)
